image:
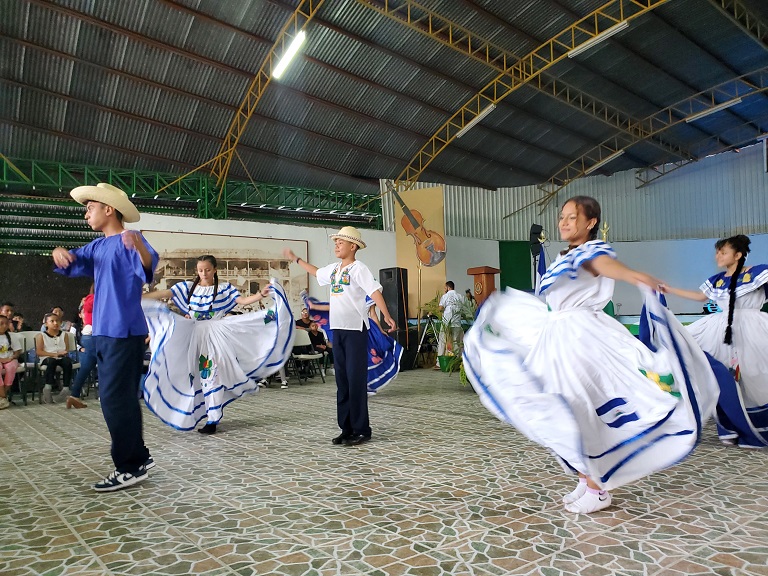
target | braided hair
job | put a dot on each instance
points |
(212, 261)
(740, 244)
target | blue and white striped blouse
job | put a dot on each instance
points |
(199, 306)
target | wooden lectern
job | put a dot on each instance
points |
(484, 283)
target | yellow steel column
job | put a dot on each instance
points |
(298, 21)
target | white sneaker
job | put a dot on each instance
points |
(47, 394)
(331, 371)
(322, 372)
(371, 392)
(590, 503)
(4, 403)
(262, 383)
(284, 384)
(119, 480)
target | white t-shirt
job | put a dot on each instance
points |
(451, 302)
(349, 287)
(7, 348)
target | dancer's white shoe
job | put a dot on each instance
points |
(590, 502)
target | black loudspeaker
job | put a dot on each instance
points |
(394, 284)
(536, 231)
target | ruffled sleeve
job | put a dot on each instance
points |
(717, 286)
(571, 262)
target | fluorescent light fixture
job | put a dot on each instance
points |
(155, 198)
(332, 212)
(262, 205)
(289, 54)
(198, 200)
(476, 120)
(178, 198)
(604, 35)
(315, 210)
(243, 204)
(721, 106)
(604, 161)
(132, 195)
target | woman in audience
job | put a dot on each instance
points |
(87, 353)
(226, 356)
(51, 349)
(737, 338)
(574, 380)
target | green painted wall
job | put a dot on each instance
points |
(516, 265)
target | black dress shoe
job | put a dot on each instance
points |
(356, 439)
(207, 429)
(339, 439)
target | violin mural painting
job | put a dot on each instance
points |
(430, 245)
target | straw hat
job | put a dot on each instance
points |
(350, 234)
(109, 195)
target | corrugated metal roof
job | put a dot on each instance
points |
(158, 82)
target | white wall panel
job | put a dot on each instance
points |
(717, 196)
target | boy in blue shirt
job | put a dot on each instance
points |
(120, 263)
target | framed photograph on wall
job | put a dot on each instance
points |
(247, 263)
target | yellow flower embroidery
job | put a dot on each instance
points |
(746, 278)
(719, 283)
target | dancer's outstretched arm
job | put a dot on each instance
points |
(245, 300)
(690, 294)
(289, 254)
(610, 268)
(158, 295)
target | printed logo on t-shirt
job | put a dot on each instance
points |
(338, 288)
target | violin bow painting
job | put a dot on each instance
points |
(430, 246)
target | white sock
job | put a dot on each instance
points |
(581, 488)
(592, 501)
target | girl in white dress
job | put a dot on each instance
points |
(574, 380)
(225, 356)
(737, 337)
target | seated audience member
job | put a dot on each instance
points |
(18, 324)
(64, 325)
(10, 350)
(320, 344)
(51, 348)
(304, 321)
(7, 309)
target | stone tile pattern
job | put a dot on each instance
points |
(443, 488)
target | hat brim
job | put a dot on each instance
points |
(85, 194)
(352, 239)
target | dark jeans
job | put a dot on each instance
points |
(120, 362)
(350, 360)
(87, 364)
(50, 372)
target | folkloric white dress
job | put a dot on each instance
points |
(574, 380)
(743, 406)
(202, 363)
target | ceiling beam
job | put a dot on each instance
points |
(516, 73)
(296, 24)
(448, 33)
(699, 105)
(738, 13)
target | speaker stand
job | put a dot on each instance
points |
(429, 327)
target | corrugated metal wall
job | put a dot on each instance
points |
(716, 197)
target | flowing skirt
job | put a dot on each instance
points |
(577, 382)
(198, 367)
(742, 411)
(384, 355)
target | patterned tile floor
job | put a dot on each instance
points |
(443, 488)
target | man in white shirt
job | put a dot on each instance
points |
(351, 281)
(450, 303)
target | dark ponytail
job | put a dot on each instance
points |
(210, 259)
(739, 243)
